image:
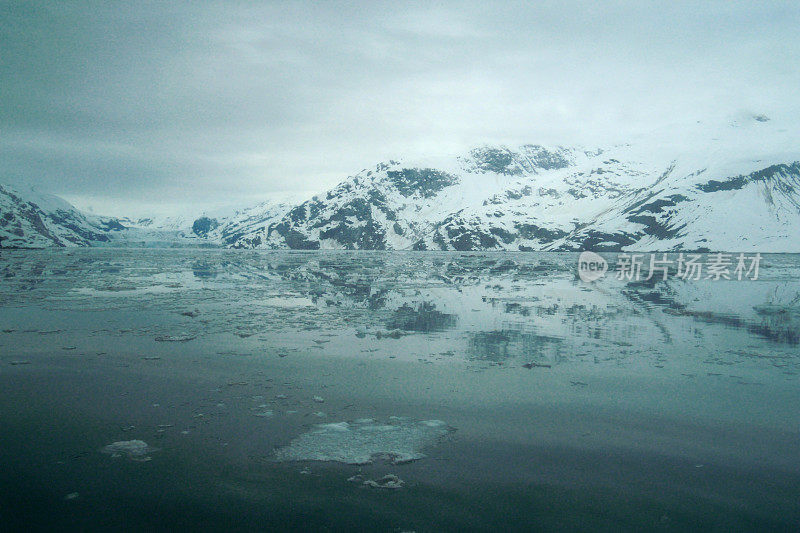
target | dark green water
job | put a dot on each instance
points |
(671, 405)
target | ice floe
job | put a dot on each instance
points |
(263, 412)
(135, 450)
(389, 481)
(399, 440)
(175, 338)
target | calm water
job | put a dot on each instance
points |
(500, 390)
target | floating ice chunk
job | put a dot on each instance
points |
(338, 426)
(378, 428)
(135, 450)
(288, 302)
(175, 338)
(400, 440)
(389, 481)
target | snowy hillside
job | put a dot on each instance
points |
(701, 188)
(217, 227)
(29, 219)
(733, 187)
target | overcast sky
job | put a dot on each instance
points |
(140, 105)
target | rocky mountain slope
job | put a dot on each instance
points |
(29, 219)
(705, 187)
(737, 188)
(221, 227)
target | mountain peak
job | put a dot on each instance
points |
(673, 194)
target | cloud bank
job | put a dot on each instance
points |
(147, 103)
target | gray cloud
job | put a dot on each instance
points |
(174, 102)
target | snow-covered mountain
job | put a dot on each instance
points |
(242, 225)
(217, 227)
(30, 219)
(703, 187)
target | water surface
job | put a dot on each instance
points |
(666, 405)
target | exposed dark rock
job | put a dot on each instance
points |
(425, 181)
(203, 225)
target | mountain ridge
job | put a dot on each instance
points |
(719, 193)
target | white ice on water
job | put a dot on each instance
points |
(399, 440)
(135, 450)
